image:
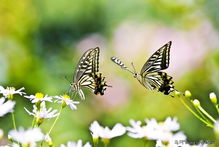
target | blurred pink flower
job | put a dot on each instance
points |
(91, 41)
(115, 96)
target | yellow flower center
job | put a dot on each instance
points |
(10, 88)
(39, 95)
(66, 96)
(26, 145)
(10, 92)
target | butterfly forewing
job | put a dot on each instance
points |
(89, 63)
(159, 60)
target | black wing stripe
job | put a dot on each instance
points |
(159, 60)
(89, 63)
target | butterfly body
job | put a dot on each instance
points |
(151, 75)
(87, 74)
(100, 84)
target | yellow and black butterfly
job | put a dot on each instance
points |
(86, 74)
(151, 76)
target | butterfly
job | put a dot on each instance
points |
(151, 75)
(87, 74)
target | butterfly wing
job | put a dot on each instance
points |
(88, 63)
(159, 60)
(159, 81)
(87, 73)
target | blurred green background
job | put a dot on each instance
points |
(41, 42)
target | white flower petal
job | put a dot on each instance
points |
(69, 102)
(118, 130)
(11, 91)
(76, 144)
(6, 107)
(31, 135)
(99, 131)
(95, 129)
(43, 113)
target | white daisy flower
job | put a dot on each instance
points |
(10, 91)
(65, 100)
(170, 124)
(136, 130)
(178, 139)
(148, 131)
(39, 97)
(105, 132)
(76, 144)
(116, 131)
(6, 107)
(42, 113)
(153, 130)
(95, 129)
(28, 137)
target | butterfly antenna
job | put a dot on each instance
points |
(67, 79)
(134, 73)
(74, 95)
(133, 67)
(68, 91)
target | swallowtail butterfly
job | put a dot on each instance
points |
(87, 74)
(151, 75)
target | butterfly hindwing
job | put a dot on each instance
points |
(160, 81)
(159, 60)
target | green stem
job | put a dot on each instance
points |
(105, 144)
(55, 120)
(33, 122)
(206, 114)
(197, 116)
(105, 141)
(217, 108)
(13, 120)
(95, 142)
(145, 142)
(202, 115)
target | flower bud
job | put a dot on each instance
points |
(188, 94)
(213, 97)
(177, 93)
(196, 103)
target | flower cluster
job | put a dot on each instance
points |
(28, 137)
(199, 111)
(162, 134)
(40, 112)
(6, 103)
